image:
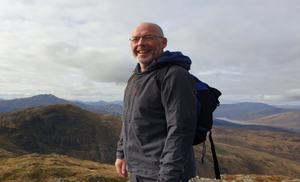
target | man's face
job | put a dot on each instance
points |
(150, 46)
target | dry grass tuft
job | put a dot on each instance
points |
(44, 168)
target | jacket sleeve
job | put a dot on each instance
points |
(120, 152)
(179, 98)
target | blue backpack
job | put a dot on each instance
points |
(207, 102)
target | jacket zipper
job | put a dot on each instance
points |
(130, 97)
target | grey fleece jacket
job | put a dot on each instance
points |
(159, 121)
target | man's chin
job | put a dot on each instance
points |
(146, 61)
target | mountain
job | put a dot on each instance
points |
(107, 109)
(15, 104)
(288, 106)
(98, 103)
(101, 102)
(66, 129)
(118, 102)
(62, 129)
(242, 151)
(228, 110)
(288, 120)
(255, 127)
(260, 113)
(38, 100)
(48, 99)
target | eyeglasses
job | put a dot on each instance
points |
(147, 38)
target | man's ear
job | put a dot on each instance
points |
(164, 42)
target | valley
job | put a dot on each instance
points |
(72, 137)
(241, 151)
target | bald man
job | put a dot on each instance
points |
(159, 119)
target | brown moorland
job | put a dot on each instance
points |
(243, 151)
(45, 168)
(67, 130)
(53, 167)
(60, 128)
(288, 120)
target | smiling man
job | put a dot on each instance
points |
(159, 118)
(147, 43)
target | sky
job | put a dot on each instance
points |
(80, 49)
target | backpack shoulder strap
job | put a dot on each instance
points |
(161, 73)
(216, 164)
(216, 93)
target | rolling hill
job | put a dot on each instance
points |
(54, 167)
(107, 109)
(241, 151)
(260, 113)
(256, 127)
(38, 100)
(66, 129)
(62, 129)
(48, 99)
(101, 102)
(288, 120)
(58, 168)
(229, 110)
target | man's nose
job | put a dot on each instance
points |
(141, 41)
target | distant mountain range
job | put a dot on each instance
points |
(263, 114)
(250, 110)
(67, 129)
(48, 99)
(101, 102)
(228, 110)
(220, 122)
(289, 120)
(274, 116)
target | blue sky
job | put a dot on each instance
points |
(79, 49)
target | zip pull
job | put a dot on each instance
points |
(130, 83)
(135, 91)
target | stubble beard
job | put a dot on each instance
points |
(146, 61)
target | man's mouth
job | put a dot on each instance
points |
(143, 52)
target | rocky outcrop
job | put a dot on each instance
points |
(247, 178)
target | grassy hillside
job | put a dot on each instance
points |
(255, 127)
(260, 114)
(66, 129)
(289, 120)
(229, 110)
(48, 99)
(60, 128)
(252, 152)
(107, 108)
(38, 100)
(44, 168)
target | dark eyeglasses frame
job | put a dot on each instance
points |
(138, 38)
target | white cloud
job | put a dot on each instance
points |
(80, 49)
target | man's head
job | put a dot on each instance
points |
(147, 43)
